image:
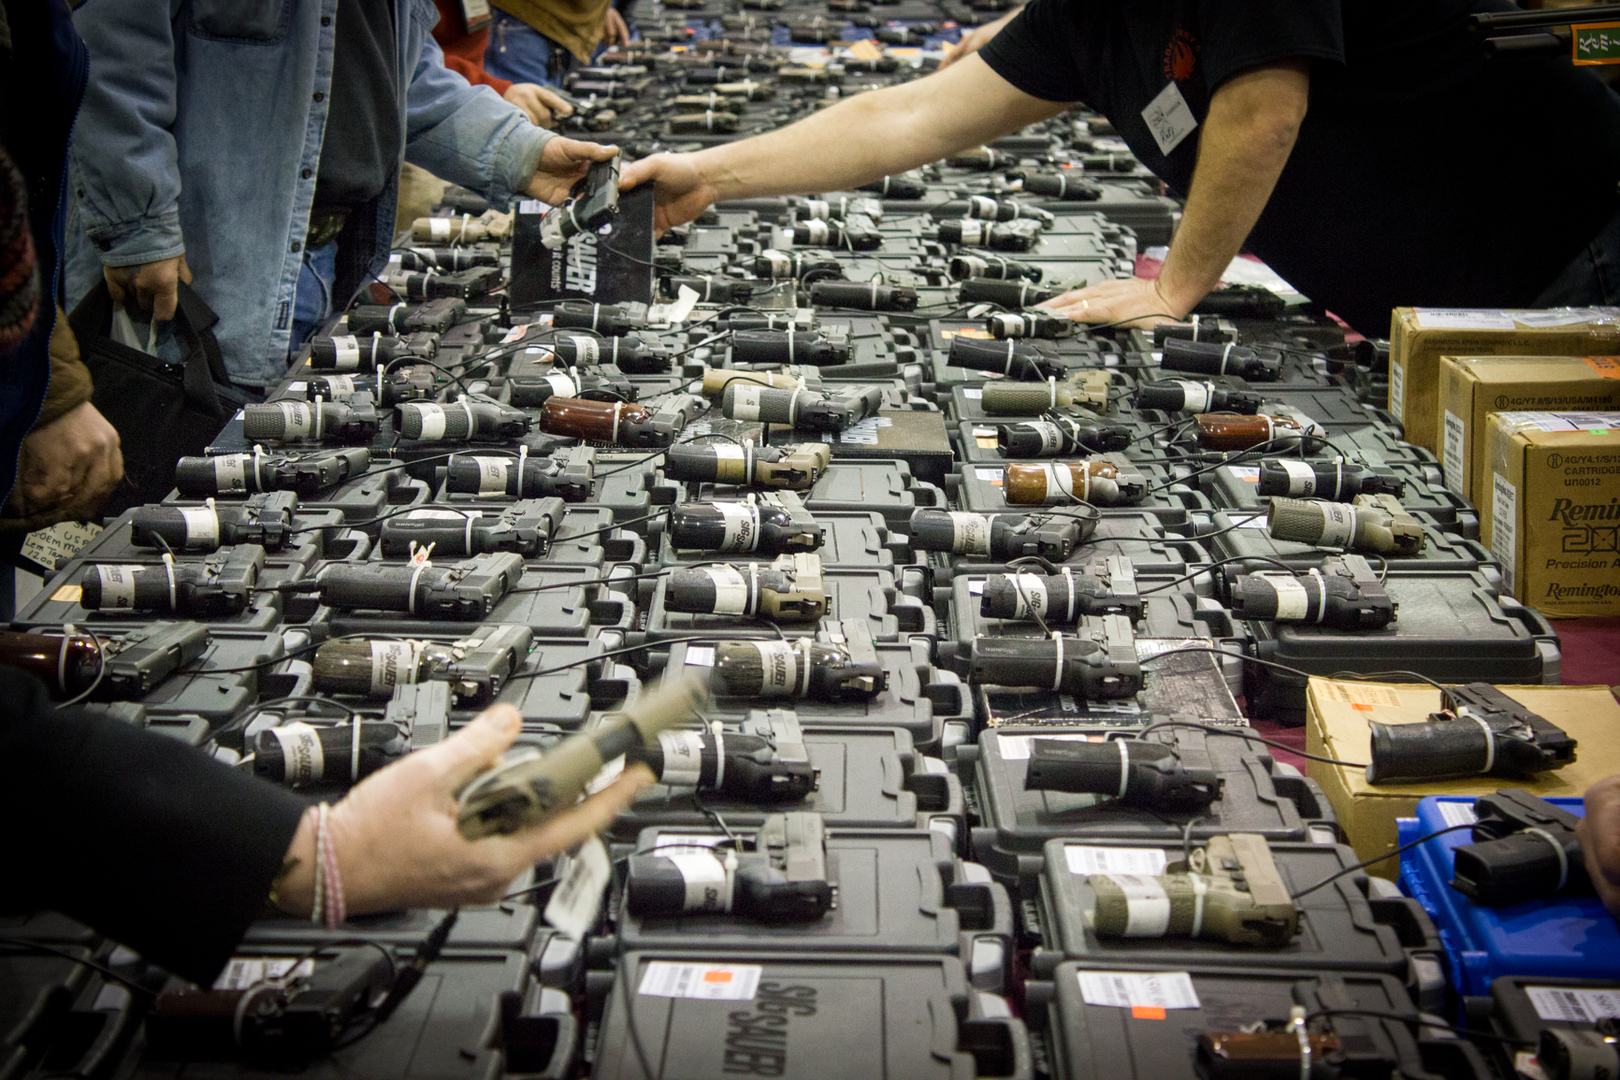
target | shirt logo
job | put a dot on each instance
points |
(1181, 55)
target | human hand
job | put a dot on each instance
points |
(396, 839)
(1599, 832)
(541, 104)
(975, 39)
(154, 286)
(66, 468)
(1133, 302)
(682, 194)
(614, 30)
(563, 163)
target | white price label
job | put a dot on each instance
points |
(1505, 527)
(1016, 747)
(45, 546)
(1454, 456)
(1397, 389)
(1462, 319)
(705, 982)
(1578, 1006)
(1127, 990)
(1456, 813)
(700, 656)
(1086, 860)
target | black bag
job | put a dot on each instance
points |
(162, 411)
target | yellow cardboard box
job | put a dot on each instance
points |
(1550, 509)
(1472, 387)
(1337, 712)
(1419, 337)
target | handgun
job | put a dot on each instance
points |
(265, 519)
(306, 474)
(1189, 396)
(1205, 358)
(1061, 185)
(710, 288)
(433, 284)
(1050, 536)
(1479, 731)
(1104, 588)
(474, 667)
(469, 419)
(528, 787)
(568, 474)
(1211, 330)
(468, 589)
(300, 754)
(818, 348)
(1133, 772)
(1524, 848)
(794, 467)
(863, 296)
(767, 767)
(1008, 293)
(444, 258)
(628, 352)
(433, 317)
(1019, 235)
(783, 265)
(131, 663)
(612, 320)
(1098, 481)
(1084, 387)
(790, 589)
(972, 265)
(390, 387)
(594, 202)
(1343, 593)
(1336, 480)
(525, 527)
(1028, 324)
(615, 423)
(347, 352)
(900, 186)
(840, 668)
(775, 524)
(1281, 429)
(352, 420)
(802, 409)
(1062, 437)
(1377, 523)
(1098, 664)
(220, 585)
(1012, 358)
(783, 880)
(1228, 891)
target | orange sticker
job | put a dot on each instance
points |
(1606, 366)
(1361, 706)
(1147, 1012)
(717, 976)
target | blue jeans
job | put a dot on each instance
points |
(1592, 276)
(519, 53)
(312, 301)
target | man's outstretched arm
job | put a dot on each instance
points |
(1250, 130)
(854, 142)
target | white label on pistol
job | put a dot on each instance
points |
(1397, 389)
(705, 878)
(202, 527)
(432, 421)
(970, 533)
(817, 231)
(1572, 1005)
(1504, 511)
(706, 982)
(780, 677)
(1454, 454)
(1338, 525)
(742, 526)
(346, 353)
(730, 590)
(1086, 860)
(972, 231)
(1030, 591)
(230, 472)
(1147, 905)
(297, 419)
(683, 757)
(1051, 435)
(1194, 397)
(585, 349)
(1292, 599)
(492, 475)
(1301, 478)
(302, 758)
(981, 207)
(439, 228)
(393, 663)
(562, 385)
(117, 586)
(340, 385)
(1060, 482)
(1130, 990)
(745, 403)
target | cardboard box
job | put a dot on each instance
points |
(1473, 387)
(1551, 513)
(1419, 337)
(1337, 712)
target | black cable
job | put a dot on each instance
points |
(615, 525)
(1240, 733)
(1388, 855)
(1213, 565)
(717, 636)
(1419, 1021)
(52, 950)
(396, 361)
(1234, 458)
(1418, 675)
(1244, 524)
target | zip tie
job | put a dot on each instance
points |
(468, 538)
(803, 648)
(596, 316)
(753, 588)
(1226, 354)
(1200, 889)
(1338, 477)
(472, 421)
(1051, 382)
(1195, 338)
(719, 758)
(618, 411)
(523, 457)
(1563, 857)
(168, 566)
(68, 631)
(790, 343)
(1321, 585)
(354, 750)
(415, 577)
(748, 461)
(391, 313)
(793, 406)
(1124, 764)
(258, 476)
(1068, 578)
(1057, 668)
(1011, 345)
(1490, 743)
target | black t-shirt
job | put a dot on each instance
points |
(360, 150)
(1424, 173)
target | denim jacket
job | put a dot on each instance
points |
(201, 133)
